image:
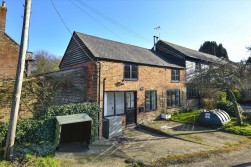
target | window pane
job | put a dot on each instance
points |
(128, 100)
(178, 75)
(132, 100)
(134, 74)
(119, 98)
(153, 100)
(147, 98)
(173, 72)
(177, 97)
(109, 104)
(134, 67)
(168, 98)
(173, 99)
(127, 71)
(175, 75)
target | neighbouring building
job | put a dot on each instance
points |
(9, 51)
(192, 60)
(129, 81)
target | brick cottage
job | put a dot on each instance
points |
(126, 80)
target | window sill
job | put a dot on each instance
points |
(175, 81)
(130, 79)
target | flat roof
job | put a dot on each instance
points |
(74, 118)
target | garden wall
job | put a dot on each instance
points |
(40, 92)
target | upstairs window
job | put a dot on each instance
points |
(175, 76)
(131, 72)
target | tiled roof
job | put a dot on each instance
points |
(195, 54)
(112, 50)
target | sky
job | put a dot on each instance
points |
(188, 23)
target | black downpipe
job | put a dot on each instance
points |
(99, 76)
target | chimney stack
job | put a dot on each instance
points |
(3, 11)
(3, 4)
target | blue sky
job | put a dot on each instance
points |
(184, 22)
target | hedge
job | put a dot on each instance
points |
(41, 129)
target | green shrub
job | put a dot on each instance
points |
(223, 96)
(42, 149)
(227, 106)
(237, 94)
(3, 135)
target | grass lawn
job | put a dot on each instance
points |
(190, 117)
(187, 117)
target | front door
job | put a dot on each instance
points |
(130, 108)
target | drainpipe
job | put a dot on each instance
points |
(99, 94)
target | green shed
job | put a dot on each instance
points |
(73, 128)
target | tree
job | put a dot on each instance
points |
(224, 77)
(212, 48)
(45, 62)
(248, 61)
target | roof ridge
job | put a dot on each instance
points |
(112, 40)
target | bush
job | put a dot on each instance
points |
(226, 106)
(42, 149)
(237, 94)
(223, 96)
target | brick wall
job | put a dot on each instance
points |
(149, 77)
(64, 87)
(8, 57)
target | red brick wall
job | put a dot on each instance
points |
(151, 78)
(8, 57)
